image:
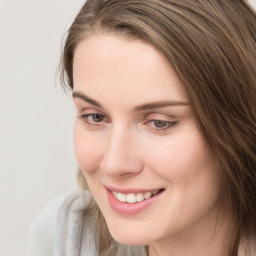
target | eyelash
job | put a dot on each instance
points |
(168, 125)
(94, 124)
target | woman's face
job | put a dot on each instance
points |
(138, 145)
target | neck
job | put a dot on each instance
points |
(198, 240)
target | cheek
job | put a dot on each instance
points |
(183, 159)
(191, 177)
(87, 149)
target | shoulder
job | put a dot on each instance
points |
(61, 229)
(49, 224)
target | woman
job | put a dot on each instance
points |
(165, 133)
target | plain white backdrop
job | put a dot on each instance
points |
(36, 117)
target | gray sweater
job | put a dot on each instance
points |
(57, 231)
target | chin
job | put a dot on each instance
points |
(131, 240)
(129, 237)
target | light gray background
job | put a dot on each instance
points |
(36, 118)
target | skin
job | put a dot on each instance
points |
(123, 146)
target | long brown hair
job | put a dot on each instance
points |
(212, 47)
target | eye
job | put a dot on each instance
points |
(161, 126)
(94, 119)
(160, 123)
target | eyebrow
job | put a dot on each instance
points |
(147, 106)
(160, 104)
(83, 97)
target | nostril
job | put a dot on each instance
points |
(126, 174)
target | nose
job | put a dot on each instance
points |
(121, 158)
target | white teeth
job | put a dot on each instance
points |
(121, 197)
(147, 195)
(139, 197)
(133, 198)
(130, 198)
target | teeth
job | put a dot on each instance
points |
(133, 198)
(147, 195)
(155, 192)
(139, 197)
(121, 197)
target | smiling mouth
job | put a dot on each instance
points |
(132, 198)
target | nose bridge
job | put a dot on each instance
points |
(120, 156)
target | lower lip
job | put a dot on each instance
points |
(130, 209)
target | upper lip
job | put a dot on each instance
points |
(131, 190)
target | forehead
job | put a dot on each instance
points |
(104, 63)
